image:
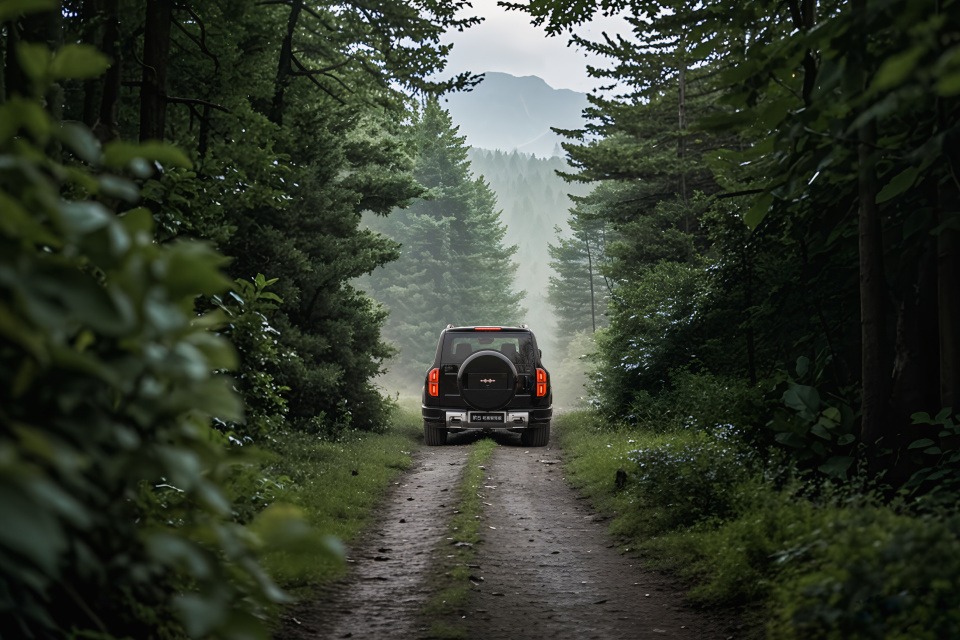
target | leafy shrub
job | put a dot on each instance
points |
(734, 562)
(819, 431)
(697, 401)
(706, 401)
(114, 523)
(691, 477)
(872, 573)
(247, 307)
(650, 333)
(937, 478)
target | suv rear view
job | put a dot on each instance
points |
(487, 378)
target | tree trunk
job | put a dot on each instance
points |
(593, 305)
(203, 137)
(284, 65)
(874, 368)
(948, 292)
(803, 14)
(914, 383)
(875, 378)
(45, 28)
(106, 127)
(3, 62)
(749, 333)
(156, 55)
(681, 139)
(90, 12)
(12, 75)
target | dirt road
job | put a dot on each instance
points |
(546, 566)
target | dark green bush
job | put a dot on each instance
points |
(936, 480)
(113, 520)
(249, 307)
(818, 430)
(735, 561)
(650, 334)
(872, 573)
(696, 401)
(691, 476)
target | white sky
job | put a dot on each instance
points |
(506, 41)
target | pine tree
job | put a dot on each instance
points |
(454, 265)
(580, 290)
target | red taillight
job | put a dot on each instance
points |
(433, 382)
(486, 329)
(541, 383)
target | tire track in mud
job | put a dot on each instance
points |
(390, 569)
(546, 568)
(550, 570)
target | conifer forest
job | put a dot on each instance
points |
(232, 231)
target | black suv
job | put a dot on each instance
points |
(486, 378)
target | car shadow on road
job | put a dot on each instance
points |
(502, 438)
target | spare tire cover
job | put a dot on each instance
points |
(487, 380)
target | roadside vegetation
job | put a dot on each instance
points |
(768, 267)
(774, 251)
(188, 413)
(799, 554)
(334, 486)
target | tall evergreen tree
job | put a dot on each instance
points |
(290, 111)
(845, 116)
(454, 266)
(580, 290)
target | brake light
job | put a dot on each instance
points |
(541, 383)
(433, 382)
(486, 329)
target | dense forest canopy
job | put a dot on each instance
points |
(289, 120)
(455, 267)
(827, 128)
(768, 268)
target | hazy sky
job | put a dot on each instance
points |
(505, 41)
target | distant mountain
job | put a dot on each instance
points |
(515, 114)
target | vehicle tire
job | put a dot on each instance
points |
(536, 436)
(434, 436)
(487, 380)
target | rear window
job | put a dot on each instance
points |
(516, 346)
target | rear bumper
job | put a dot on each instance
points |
(455, 420)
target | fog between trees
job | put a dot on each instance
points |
(473, 250)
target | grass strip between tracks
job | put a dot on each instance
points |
(444, 608)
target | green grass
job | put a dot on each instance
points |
(722, 564)
(454, 582)
(333, 487)
(594, 455)
(797, 558)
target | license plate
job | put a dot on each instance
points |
(486, 417)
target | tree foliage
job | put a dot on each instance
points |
(117, 423)
(292, 114)
(579, 290)
(110, 464)
(454, 265)
(826, 126)
(534, 200)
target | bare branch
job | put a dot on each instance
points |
(201, 42)
(303, 71)
(197, 101)
(319, 84)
